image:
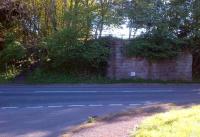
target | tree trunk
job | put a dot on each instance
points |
(53, 15)
(130, 32)
(96, 31)
(101, 30)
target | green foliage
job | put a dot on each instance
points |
(70, 26)
(9, 75)
(64, 53)
(91, 120)
(177, 123)
(151, 49)
(43, 76)
(48, 77)
(13, 51)
(166, 27)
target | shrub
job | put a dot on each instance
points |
(151, 49)
(43, 76)
(71, 55)
(12, 53)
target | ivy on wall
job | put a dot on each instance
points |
(153, 49)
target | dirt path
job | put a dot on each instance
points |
(118, 125)
(115, 129)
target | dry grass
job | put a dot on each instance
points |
(118, 125)
(176, 123)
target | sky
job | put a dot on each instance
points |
(120, 32)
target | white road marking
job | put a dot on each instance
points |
(62, 91)
(148, 102)
(196, 90)
(126, 91)
(76, 105)
(134, 104)
(9, 107)
(55, 106)
(148, 91)
(90, 105)
(115, 104)
(98, 105)
(35, 107)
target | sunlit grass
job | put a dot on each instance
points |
(177, 123)
(4, 78)
(40, 76)
(8, 76)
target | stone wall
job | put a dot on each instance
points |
(121, 67)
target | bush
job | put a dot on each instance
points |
(12, 53)
(151, 49)
(75, 56)
(47, 77)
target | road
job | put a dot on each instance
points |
(50, 110)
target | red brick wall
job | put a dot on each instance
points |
(120, 67)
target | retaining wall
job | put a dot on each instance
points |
(121, 67)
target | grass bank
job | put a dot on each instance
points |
(177, 123)
(7, 77)
(44, 77)
(56, 78)
(40, 76)
(3, 79)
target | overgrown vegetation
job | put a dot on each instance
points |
(178, 123)
(152, 49)
(8, 76)
(65, 36)
(64, 55)
(167, 28)
(49, 77)
(12, 54)
(40, 76)
(91, 120)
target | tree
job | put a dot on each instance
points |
(107, 14)
(48, 25)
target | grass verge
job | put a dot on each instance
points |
(176, 123)
(43, 77)
(7, 77)
(3, 79)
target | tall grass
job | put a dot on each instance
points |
(177, 123)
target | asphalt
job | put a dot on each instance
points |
(50, 110)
